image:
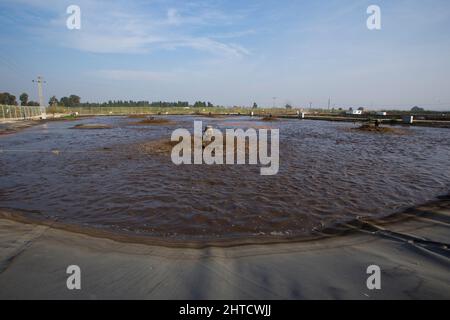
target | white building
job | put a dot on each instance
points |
(354, 112)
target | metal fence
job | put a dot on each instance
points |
(19, 112)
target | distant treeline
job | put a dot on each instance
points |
(131, 103)
(9, 99)
(75, 101)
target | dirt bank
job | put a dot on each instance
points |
(16, 126)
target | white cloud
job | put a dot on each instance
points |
(125, 27)
(209, 45)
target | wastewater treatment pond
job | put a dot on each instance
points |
(112, 180)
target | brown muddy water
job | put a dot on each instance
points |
(107, 180)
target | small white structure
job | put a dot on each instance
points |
(354, 112)
(408, 119)
(381, 113)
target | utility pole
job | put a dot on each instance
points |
(310, 105)
(329, 103)
(274, 100)
(39, 82)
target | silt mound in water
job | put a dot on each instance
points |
(92, 126)
(375, 129)
(164, 147)
(138, 116)
(152, 121)
(214, 115)
(269, 118)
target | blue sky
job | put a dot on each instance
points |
(231, 52)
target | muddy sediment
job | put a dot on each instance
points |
(138, 116)
(151, 121)
(16, 126)
(379, 129)
(269, 118)
(165, 146)
(92, 126)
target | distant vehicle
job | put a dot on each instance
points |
(381, 113)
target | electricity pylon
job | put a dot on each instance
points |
(39, 82)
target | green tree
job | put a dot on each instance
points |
(255, 106)
(23, 99)
(74, 99)
(3, 98)
(199, 104)
(53, 101)
(288, 106)
(8, 99)
(417, 109)
(66, 102)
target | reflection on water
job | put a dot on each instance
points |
(328, 175)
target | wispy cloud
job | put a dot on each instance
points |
(118, 27)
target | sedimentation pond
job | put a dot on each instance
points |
(111, 179)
